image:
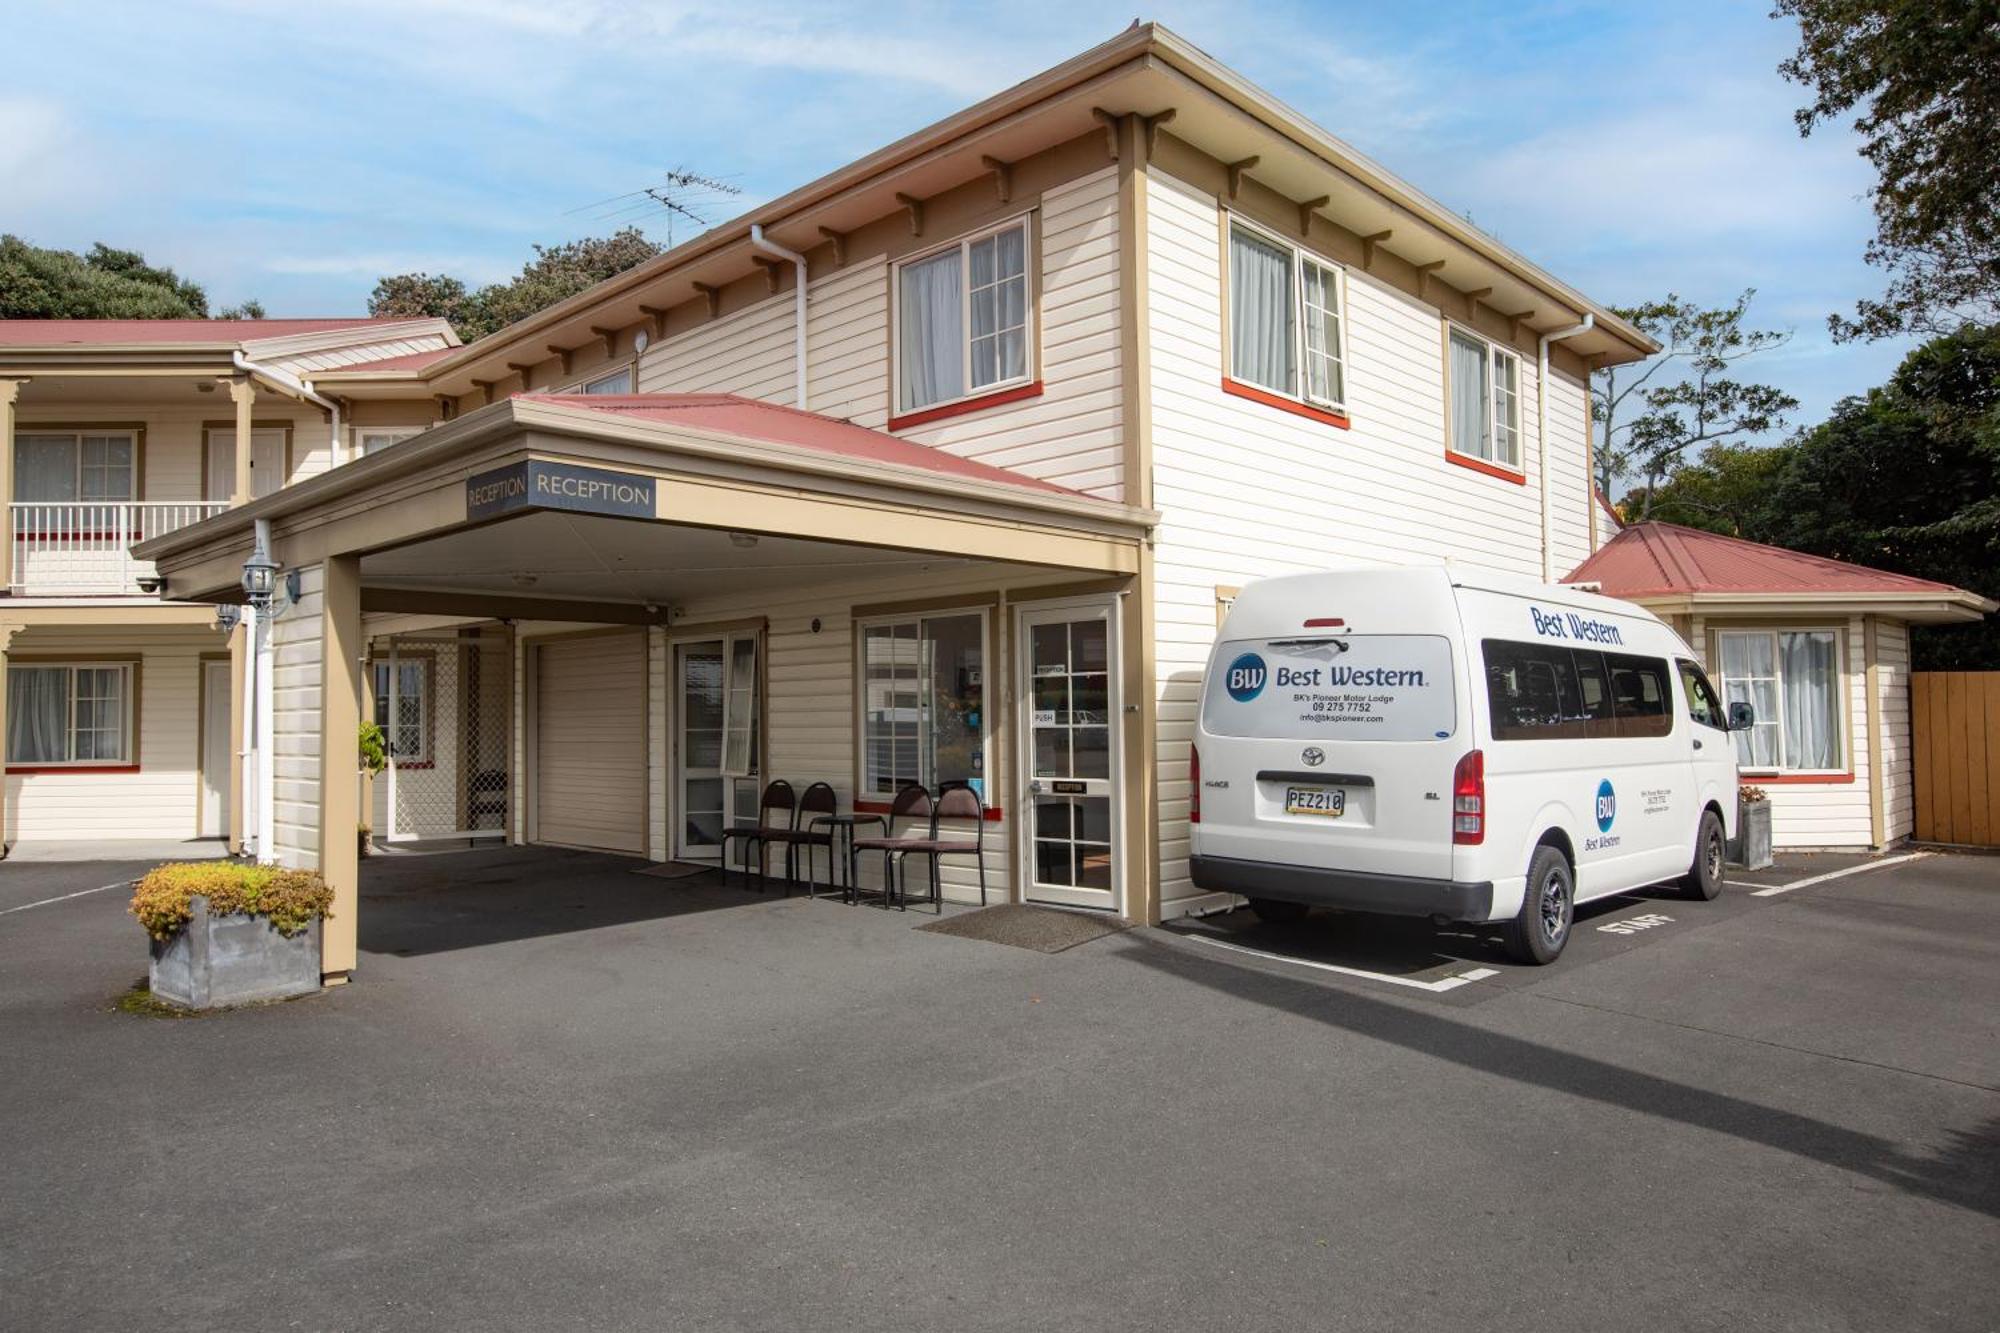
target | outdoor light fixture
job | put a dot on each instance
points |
(292, 586)
(227, 617)
(150, 583)
(260, 576)
(746, 540)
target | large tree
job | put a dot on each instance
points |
(1922, 80)
(555, 273)
(1905, 478)
(40, 283)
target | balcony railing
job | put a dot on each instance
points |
(85, 550)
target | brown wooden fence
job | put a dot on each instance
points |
(1955, 724)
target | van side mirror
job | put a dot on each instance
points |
(1742, 716)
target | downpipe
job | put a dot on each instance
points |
(798, 261)
(298, 388)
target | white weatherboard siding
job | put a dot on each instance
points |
(1570, 502)
(297, 689)
(162, 799)
(1892, 647)
(1248, 491)
(591, 741)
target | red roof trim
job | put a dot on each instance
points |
(1665, 559)
(103, 332)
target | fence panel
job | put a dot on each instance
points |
(1955, 720)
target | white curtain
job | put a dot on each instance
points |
(931, 331)
(1471, 424)
(1812, 714)
(44, 468)
(1260, 313)
(37, 715)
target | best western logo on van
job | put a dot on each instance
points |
(1245, 680)
(1570, 625)
(1607, 806)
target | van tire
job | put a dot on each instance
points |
(1548, 910)
(1278, 912)
(1704, 878)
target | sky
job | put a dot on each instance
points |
(295, 153)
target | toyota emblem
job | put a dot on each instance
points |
(1314, 756)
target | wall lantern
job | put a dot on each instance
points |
(260, 576)
(227, 617)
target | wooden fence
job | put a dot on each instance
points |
(1955, 723)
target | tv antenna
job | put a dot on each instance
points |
(685, 196)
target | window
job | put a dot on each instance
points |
(375, 441)
(57, 467)
(1641, 698)
(70, 714)
(962, 319)
(408, 727)
(1703, 706)
(923, 705)
(1791, 678)
(618, 381)
(1537, 691)
(1485, 401)
(1285, 330)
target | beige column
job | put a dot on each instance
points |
(6, 636)
(10, 390)
(339, 793)
(244, 394)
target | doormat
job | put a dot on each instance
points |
(1026, 926)
(674, 870)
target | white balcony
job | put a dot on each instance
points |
(85, 550)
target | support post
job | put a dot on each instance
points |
(6, 636)
(239, 666)
(244, 394)
(341, 649)
(10, 390)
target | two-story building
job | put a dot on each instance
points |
(940, 467)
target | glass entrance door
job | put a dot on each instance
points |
(1070, 725)
(716, 741)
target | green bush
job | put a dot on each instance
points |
(374, 748)
(290, 899)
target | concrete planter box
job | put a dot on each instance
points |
(1751, 848)
(217, 961)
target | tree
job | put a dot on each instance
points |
(554, 274)
(41, 283)
(250, 309)
(1703, 405)
(1923, 77)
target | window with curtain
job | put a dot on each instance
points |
(61, 467)
(69, 714)
(1791, 678)
(1485, 407)
(405, 720)
(1285, 311)
(618, 381)
(923, 705)
(962, 319)
(375, 441)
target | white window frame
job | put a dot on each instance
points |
(76, 437)
(963, 244)
(1842, 739)
(390, 435)
(127, 747)
(629, 373)
(1491, 404)
(1301, 256)
(986, 698)
(426, 665)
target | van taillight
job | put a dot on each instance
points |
(1194, 785)
(1468, 800)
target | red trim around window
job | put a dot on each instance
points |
(12, 769)
(1490, 469)
(1284, 404)
(865, 806)
(964, 405)
(1792, 779)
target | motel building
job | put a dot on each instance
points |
(941, 468)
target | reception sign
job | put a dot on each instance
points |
(539, 484)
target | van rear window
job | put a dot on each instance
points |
(1540, 691)
(1377, 687)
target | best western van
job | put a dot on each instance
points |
(1457, 745)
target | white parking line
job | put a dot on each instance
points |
(1811, 880)
(1435, 987)
(80, 893)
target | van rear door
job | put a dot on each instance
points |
(1333, 751)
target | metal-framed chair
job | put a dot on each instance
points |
(913, 806)
(779, 796)
(957, 803)
(818, 803)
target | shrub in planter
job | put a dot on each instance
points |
(1751, 847)
(227, 933)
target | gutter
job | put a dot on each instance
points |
(1542, 434)
(770, 247)
(298, 388)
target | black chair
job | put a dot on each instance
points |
(958, 803)
(778, 796)
(913, 806)
(817, 803)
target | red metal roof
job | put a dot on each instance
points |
(731, 415)
(1655, 559)
(114, 332)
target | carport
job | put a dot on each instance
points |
(605, 622)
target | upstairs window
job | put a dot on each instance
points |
(1285, 326)
(375, 441)
(618, 381)
(962, 320)
(59, 467)
(1485, 414)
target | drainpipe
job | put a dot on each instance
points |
(298, 388)
(264, 717)
(1542, 434)
(769, 247)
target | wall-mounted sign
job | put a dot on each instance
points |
(1069, 787)
(539, 484)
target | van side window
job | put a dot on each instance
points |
(1599, 716)
(1531, 692)
(1640, 694)
(1703, 706)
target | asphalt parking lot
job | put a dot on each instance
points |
(560, 1095)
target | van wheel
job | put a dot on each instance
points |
(1548, 909)
(1703, 880)
(1276, 912)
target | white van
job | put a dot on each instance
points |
(1458, 745)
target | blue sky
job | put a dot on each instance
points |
(295, 153)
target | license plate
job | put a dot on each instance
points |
(1328, 801)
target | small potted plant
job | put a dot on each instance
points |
(227, 933)
(1751, 848)
(374, 753)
